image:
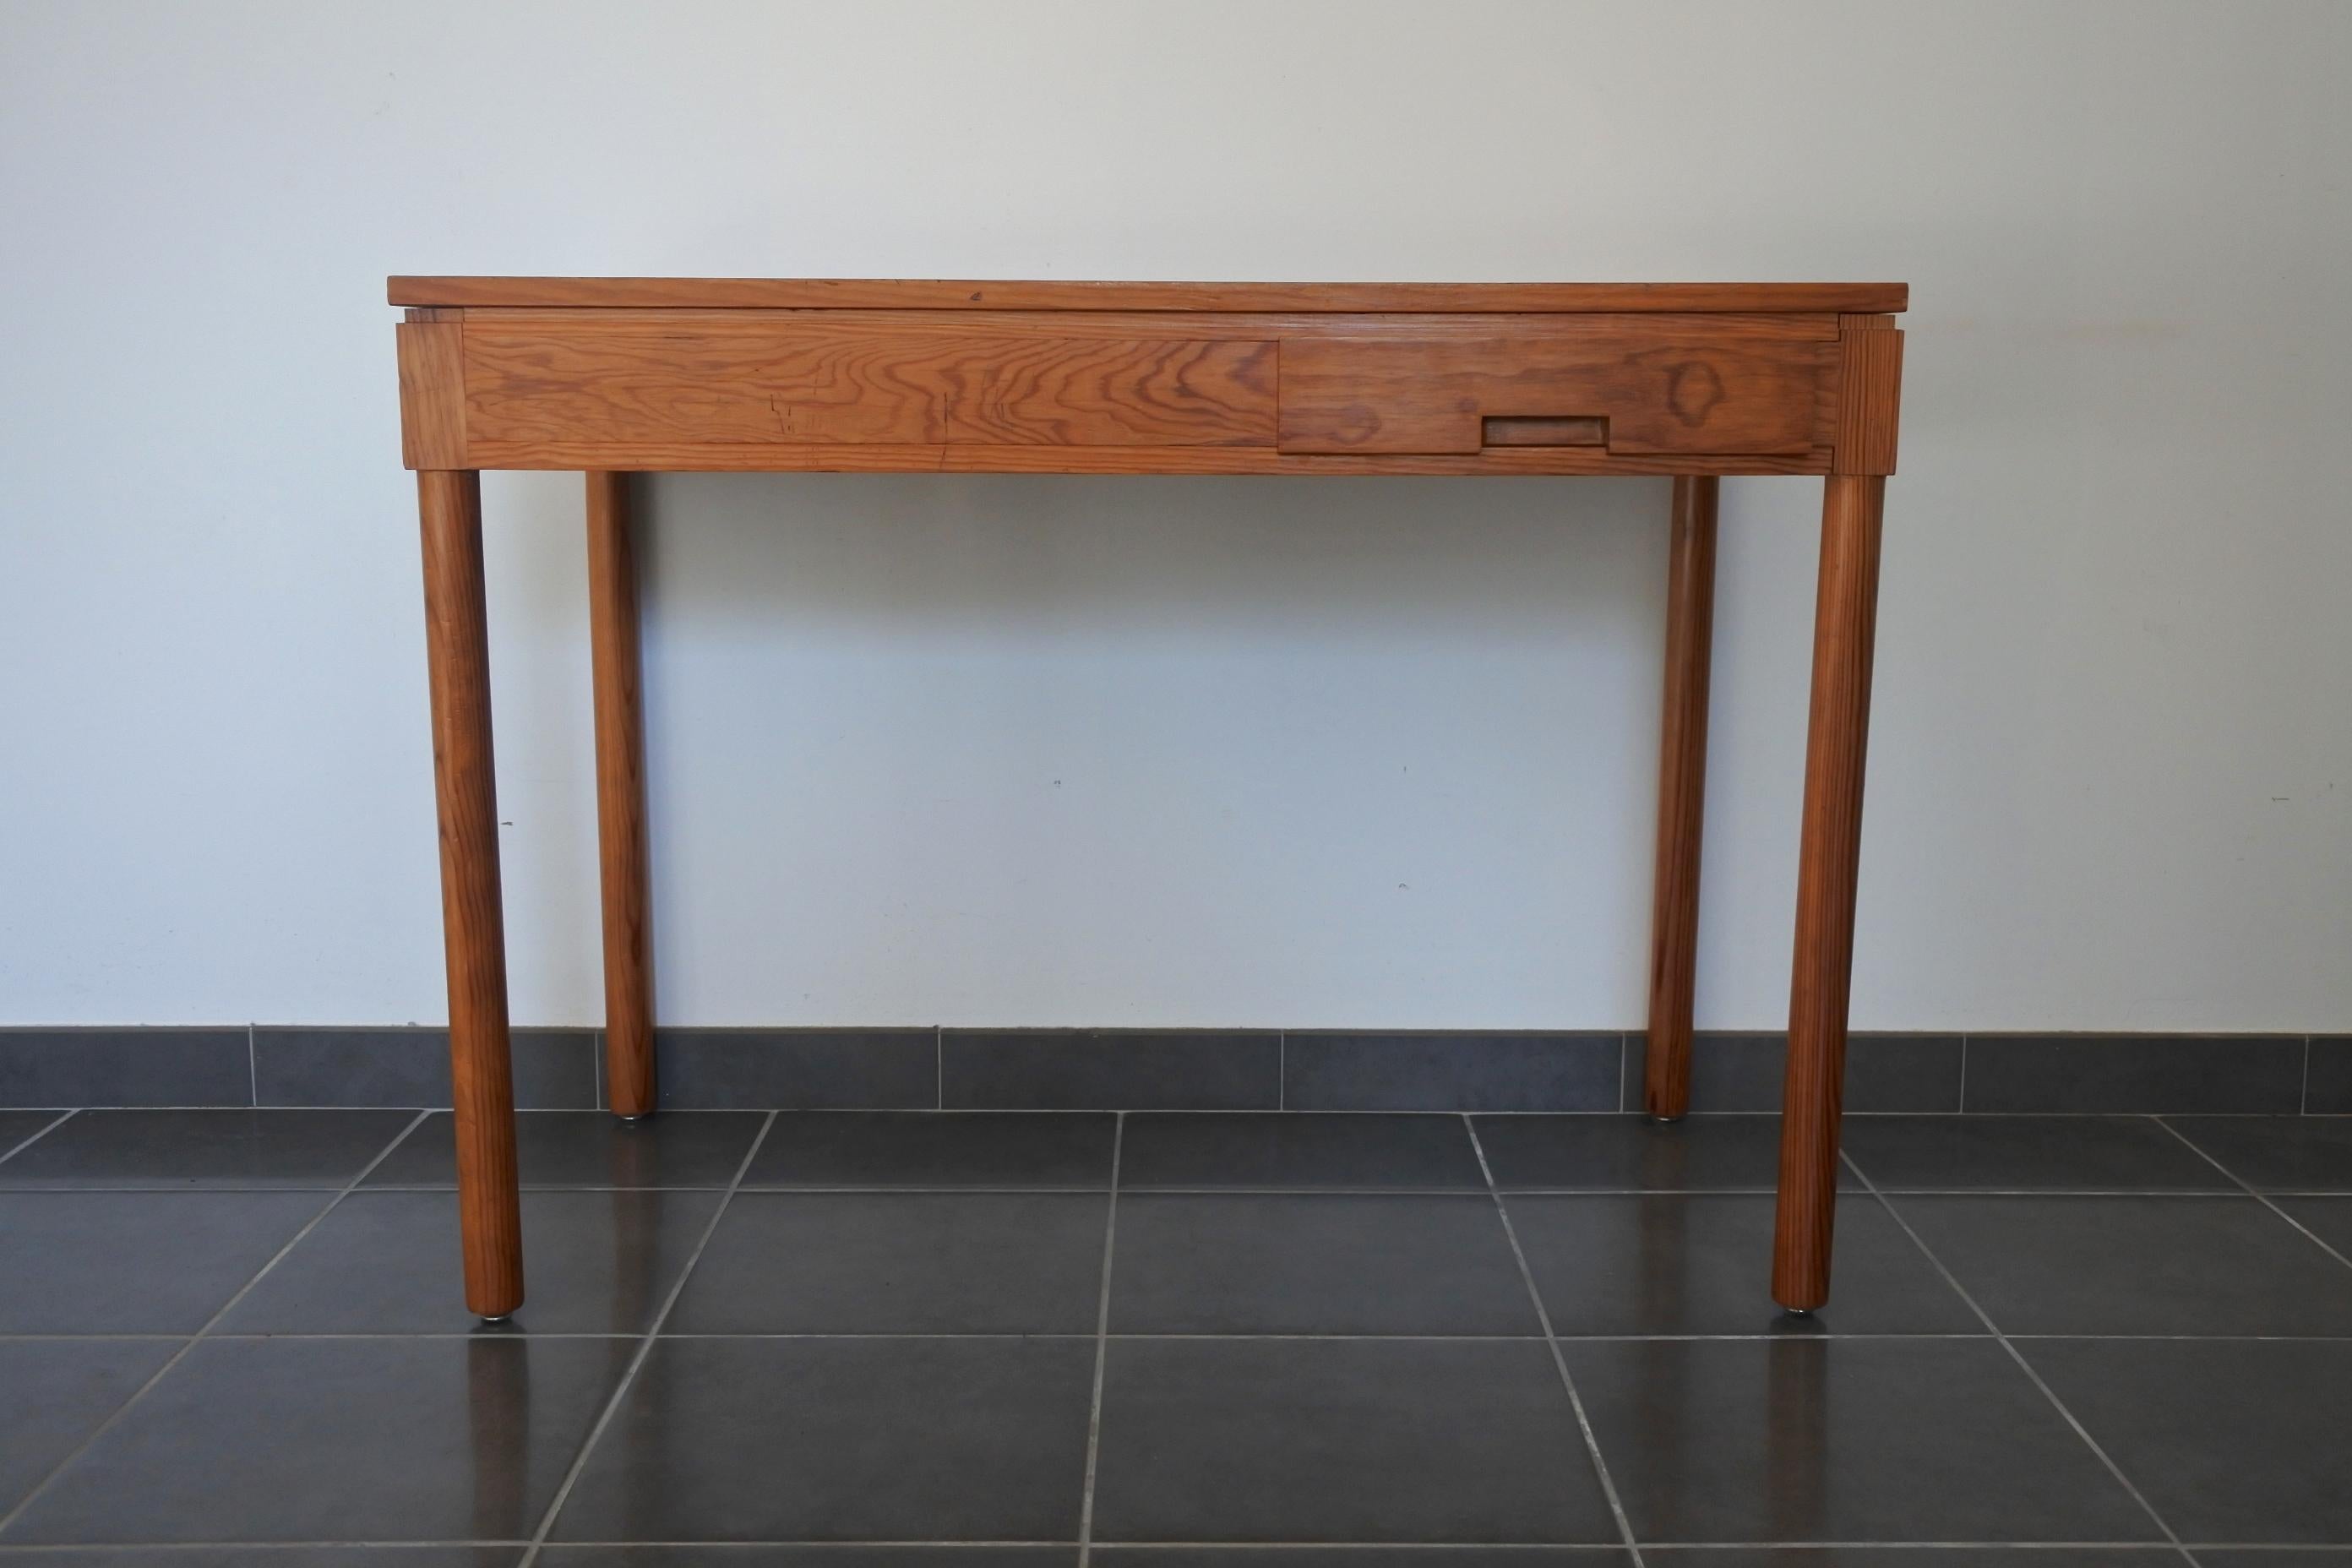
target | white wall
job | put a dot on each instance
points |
(1184, 752)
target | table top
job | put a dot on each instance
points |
(941, 294)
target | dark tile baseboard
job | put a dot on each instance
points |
(1204, 1070)
(554, 1069)
(1883, 1072)
(1110, 1069)
(1451, 1070)
(64, 1068)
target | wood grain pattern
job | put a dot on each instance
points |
(1870, 395)
(1659, 392)
(1682, 796)
(876, 458)
(458, 661)
(782, 382)
(1253, 326)
(1845, 619)
(621, 860)
(939, 294)
(432, 357)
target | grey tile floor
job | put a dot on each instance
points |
(974, 1340)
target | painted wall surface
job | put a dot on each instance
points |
(1016, 750)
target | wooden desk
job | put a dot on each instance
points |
(616, 376)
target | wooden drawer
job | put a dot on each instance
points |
(1660, 385)
(827, 378)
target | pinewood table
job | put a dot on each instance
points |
(617, 375)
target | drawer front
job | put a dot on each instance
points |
(781, 383)
(1632, 390)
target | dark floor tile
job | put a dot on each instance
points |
(1471, 1441)
(1745, 1072)
(1363, 1556)
(137, 1263)
(2269, 1153)
(2062, 1265)
(817, 1439)
(2327, 1077)
(1452, 1071)
(206, 1149)
(2047, 1153)
(893, 1556)
(54, 1393)
(798, 1070)
(125, 1067)
(1298, 1150)
(2154, 1074)
(590, 1149)
(931, 1149)
(1631, 1153)
(1842, 1440)
(2272, 1557)
(2328, 1218)
(249, 1556)
(553, 1069)
(1329, 1263)
(378, 1440)
(2153, 1556)
(919, 1263)
(1695, 1264)
(1110, 1069)
(20, 1128)
(2231, 1440)
(387, 1263)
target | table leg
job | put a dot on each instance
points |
(1845, 619)
(456, 645)
(620, 796)
(1682, 796)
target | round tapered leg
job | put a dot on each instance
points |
(620, 797)
(457, 653)
(1682, 796)
(1844, 626)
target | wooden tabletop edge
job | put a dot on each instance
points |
(901, 293)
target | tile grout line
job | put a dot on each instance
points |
(252, 1070)
(785, 1190)
(34, 1552)
(1629, 1339)
(1379, 1338)
(197, 1337)
(1282, 1070)
(43, 1132)
(1102, 1350)
(1451, 1110)
(2246, 1187)
(645, 1350)
(2026, 1366)
(1551, 1342)
(2303, 1103)
(1962, 1109)
(939, 1067)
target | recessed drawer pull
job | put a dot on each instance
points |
(1545, 430)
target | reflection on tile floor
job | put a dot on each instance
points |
(980, 1340)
